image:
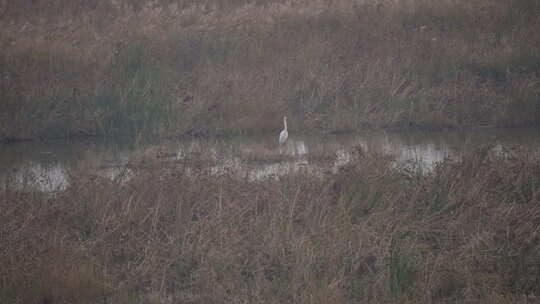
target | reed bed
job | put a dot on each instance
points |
(370, 233)
(177, 68)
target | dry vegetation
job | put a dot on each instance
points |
(465, 233)
(171, 68)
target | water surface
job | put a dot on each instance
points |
(45, 166)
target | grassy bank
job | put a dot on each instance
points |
(371, 233)
(220, 67)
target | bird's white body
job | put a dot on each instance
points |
(284, 134)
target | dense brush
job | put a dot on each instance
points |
(464, 232)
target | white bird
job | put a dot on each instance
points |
(284, 134)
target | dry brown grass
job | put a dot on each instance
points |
(467, 232)
(220, 67)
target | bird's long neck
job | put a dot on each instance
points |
(285, 123)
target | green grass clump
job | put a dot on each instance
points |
(133, 102)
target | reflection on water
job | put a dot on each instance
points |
(43, 177)
(45, 166)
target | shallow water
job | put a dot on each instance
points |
(46, 166)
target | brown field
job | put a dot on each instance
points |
(466, 232)
(215, 67)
